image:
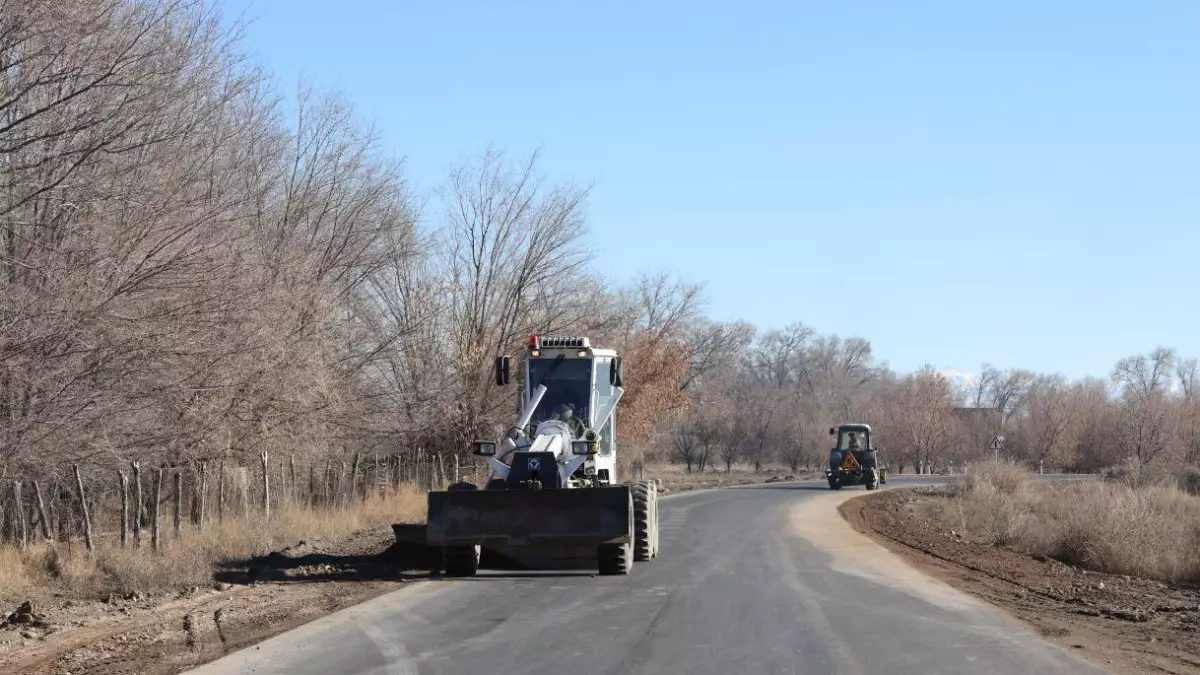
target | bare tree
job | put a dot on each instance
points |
(1049, 421)
(1145, 411)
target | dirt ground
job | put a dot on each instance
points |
(1122, 624)
(248, 601)
(46, 632)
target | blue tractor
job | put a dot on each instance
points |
(855, 459)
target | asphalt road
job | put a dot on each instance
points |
(763, 579)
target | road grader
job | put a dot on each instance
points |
(854, 460)
(553, 499)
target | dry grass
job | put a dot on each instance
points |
(191, 558)
(1140, 528)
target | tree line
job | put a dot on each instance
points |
(776, 403)
(197, 267)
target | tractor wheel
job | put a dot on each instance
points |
(461, 561)
(883, 477)
(834, 483)
(643, 521)
(615, 559)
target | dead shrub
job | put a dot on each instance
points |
(1006, 478)
(1134, 525)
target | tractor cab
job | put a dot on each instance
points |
(854, 438)
(854, 460)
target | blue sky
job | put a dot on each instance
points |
(1012, 182)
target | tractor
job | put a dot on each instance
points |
(553, 499)
(854, 460)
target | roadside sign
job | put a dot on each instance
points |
(997, 443)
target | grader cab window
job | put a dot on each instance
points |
(568, 388)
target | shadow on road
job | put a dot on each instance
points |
(489, 575)
(385, 566)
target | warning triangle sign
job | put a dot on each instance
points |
(849, 462)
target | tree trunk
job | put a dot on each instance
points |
(83, 506)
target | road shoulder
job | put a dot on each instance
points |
(1123, 625)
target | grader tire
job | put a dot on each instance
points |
(643, 521)
(461, 561)
(615, 559)
(654, 519)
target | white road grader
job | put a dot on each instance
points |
(553, 500)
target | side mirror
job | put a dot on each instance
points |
(583, 447)
(616, 372)
(483, 448)
(501, 371)
(832, 431)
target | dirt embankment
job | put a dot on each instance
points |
(169, 632)
(1121, 623)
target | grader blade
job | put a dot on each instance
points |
(588, 516)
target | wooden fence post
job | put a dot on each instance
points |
(22, 530)
(328, 489)
(375, 488)
(246, 493)
(312, 484)
(87, 516)
(266, 486)
(41, 504)
(342, 485)
(137, 503)
(157, 541)
(284, 494)
(124, 508)
(178, 503)
(55, 516)
(221, 491)
(203, 495)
